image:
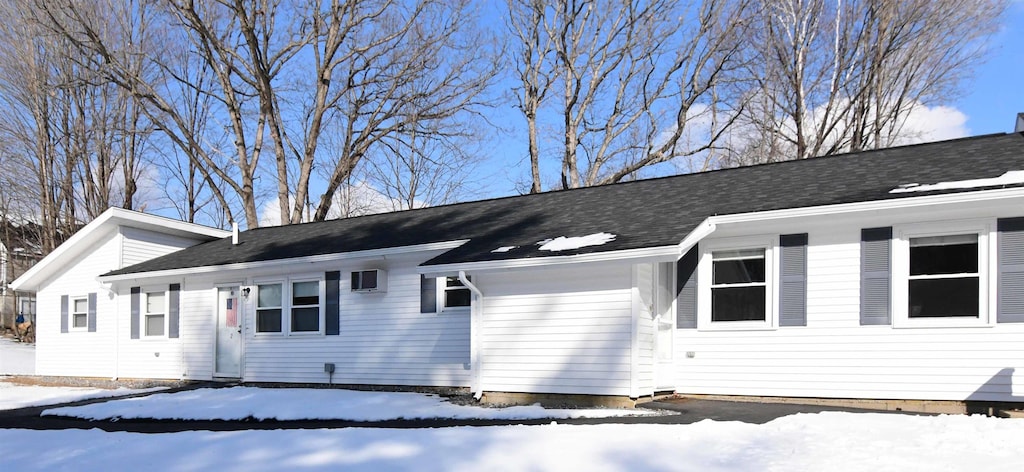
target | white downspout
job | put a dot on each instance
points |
(476, 321)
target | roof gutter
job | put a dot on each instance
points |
(475, 325)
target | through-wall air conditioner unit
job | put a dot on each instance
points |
(369, 281)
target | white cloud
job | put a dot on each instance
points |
(925, 124)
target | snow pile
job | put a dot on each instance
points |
(17, 358)
(309, 403)
(825, 441)
(563, 243)
(20, 396)
(1012, 177)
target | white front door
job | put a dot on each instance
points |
(664, 326)
(229, 333)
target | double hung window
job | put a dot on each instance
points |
(944, 279)
(739, 285)
(154, 318)
(456, 294)
(80, 313)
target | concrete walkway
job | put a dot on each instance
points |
(682, 411)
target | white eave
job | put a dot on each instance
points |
(91, 233)
(369, 253)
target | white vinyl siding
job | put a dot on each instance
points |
(79, 352)
(564, 330)
(835, 357)
(109, 351)
(139, 245)
(383, 340)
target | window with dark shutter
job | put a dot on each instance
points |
(332, 305)
(875, 276)
(1010, 271)
(793, 280)
(428, 294)
(686, 290)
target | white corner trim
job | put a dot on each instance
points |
(446, 245)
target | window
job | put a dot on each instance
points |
(940, 274)
(289, 307)
(738, 286)
(944, 280)
(155, 309)
(736, 281)
(456, 294)
(305, 307)
(268, 308)
(80, 313)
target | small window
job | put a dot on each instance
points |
(305, 308)
(154, 316)
(268, 308)
(944, 280)
(456, 294)
(738, 285)
(80, 313)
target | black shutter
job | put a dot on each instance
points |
(1010, 272)
(136, 301)
(793, 280)
(91, 320)
(332, 305)
(428, 294)
(875, 276)
(174, 310)
(63, 313)
(686, 289)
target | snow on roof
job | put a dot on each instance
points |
(505, 249)
(1012, 177)
(563, 243)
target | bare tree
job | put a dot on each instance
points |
(361, 57)
(846, 75)
(635, 79)
(532, 48)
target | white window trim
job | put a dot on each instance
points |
(72, 312)
(322, 296)
(144, 313)
(985, 229)
(256, 307)
(442, 287)
(286, 305)
(704, 278)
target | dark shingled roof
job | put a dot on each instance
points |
(642, 214)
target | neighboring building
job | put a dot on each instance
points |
(19, 251)
(889, 274)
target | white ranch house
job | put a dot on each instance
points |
(891, 274)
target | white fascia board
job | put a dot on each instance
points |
(166, 225)
(659, 253)
(83, 238)
(370, 253)
(874, 205)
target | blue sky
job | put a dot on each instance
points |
(995, 95)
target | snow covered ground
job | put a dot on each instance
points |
(19, 396)
(805, 442)
(17, 358)
(830, 441)
(306, 403)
